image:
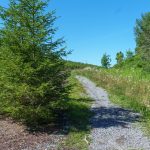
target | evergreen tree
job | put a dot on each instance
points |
(36, 72)
(119, 57)
(105, 61)
(142, 31)
(129, 54)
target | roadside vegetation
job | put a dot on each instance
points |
(79, 115)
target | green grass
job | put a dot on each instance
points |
(79, 114)
(129, 88)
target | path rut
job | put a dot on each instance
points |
(113, 127)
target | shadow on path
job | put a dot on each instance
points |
(106, 117)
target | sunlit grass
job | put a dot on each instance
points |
(78, 115)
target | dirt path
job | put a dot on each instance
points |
(113, 128)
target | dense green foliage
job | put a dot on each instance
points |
(33, 74)
(105, 61)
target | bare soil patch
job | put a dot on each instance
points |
(16, 136)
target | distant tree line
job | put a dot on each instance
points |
(120, 58)
(141, 56)
(78, 65)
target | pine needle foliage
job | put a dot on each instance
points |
(33, 73)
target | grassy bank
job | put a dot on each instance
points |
(129, 88)
(79, 115)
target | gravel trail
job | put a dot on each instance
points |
(113, 128)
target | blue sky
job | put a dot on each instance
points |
(93, 27)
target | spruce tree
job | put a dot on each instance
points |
(129, 54)
(119, 57)
(38, 75)
(105, 61)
